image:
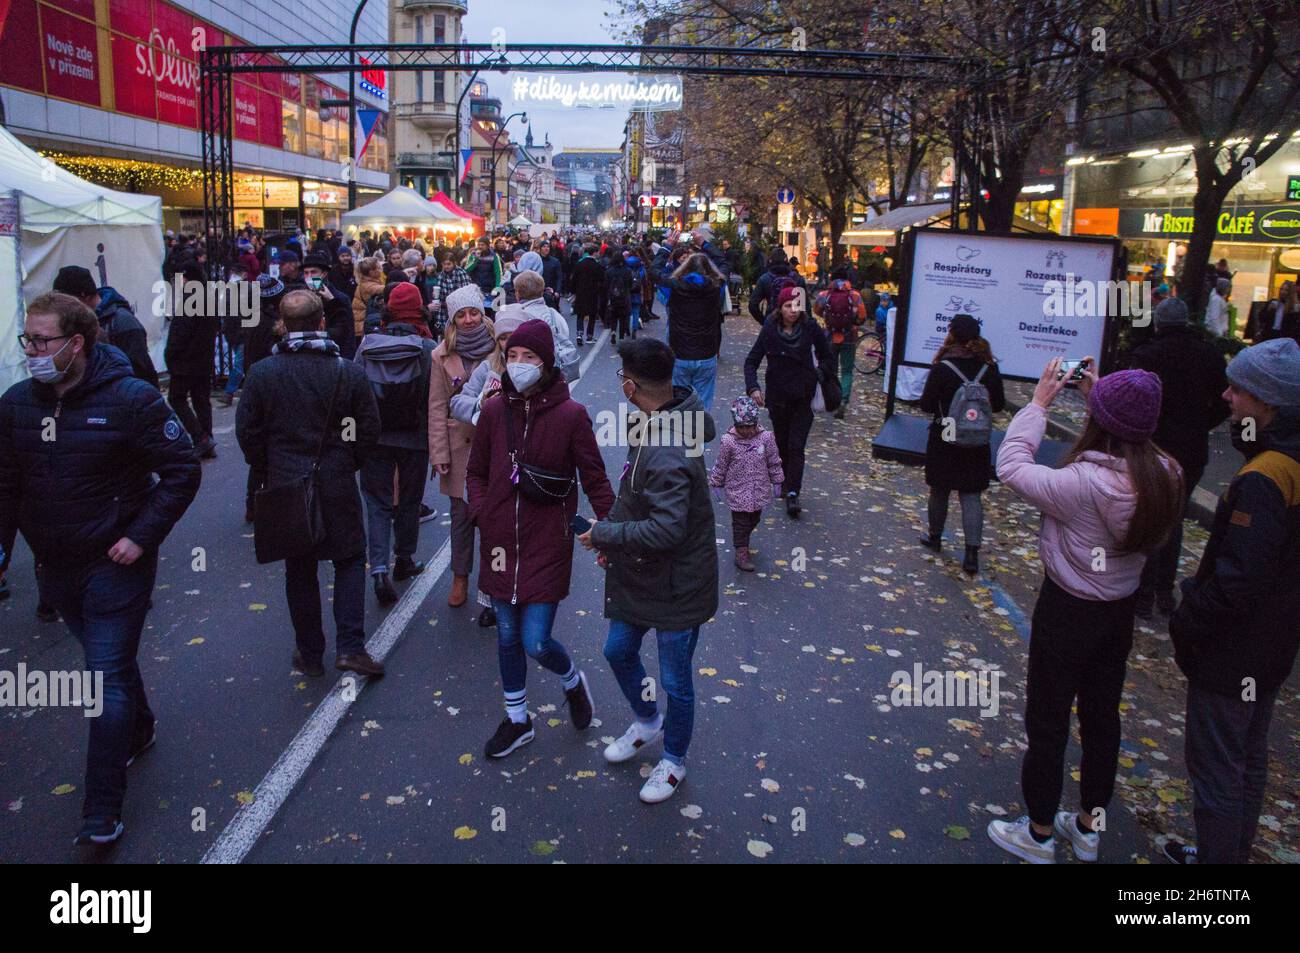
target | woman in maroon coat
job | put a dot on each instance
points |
(527, 546)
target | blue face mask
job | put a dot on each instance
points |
(43, 368)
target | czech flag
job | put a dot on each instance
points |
(367, 121)
(466, 159)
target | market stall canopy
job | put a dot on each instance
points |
(884, 229)
(520, 221)
(403, 207)
(478, 221)
(50, 218)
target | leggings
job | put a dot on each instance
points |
(972, 514)
(742, 525)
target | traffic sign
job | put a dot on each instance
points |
(785, 195)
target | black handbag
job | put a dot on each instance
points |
(289, 519)
(535, 484)
(832, 394)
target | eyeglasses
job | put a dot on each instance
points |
(623, 377)
(39, 343)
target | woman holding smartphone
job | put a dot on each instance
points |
(532, 444)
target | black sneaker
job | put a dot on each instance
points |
(1179, 853)
(98, 830)
(427, 513)
(792, 506)
(314, 668)
(384, 591)
(145, 745)
(578, 699)
(509, 736)
(404, 567)
(933, 543)
(45, 613)
(487, 618)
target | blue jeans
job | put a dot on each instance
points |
(383, 519)
(526, 628)
(676, 649)
(701, 375)
(236, 370)
(104, 605)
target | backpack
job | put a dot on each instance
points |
(839, 313)
(779, 284)
(397, 381)
(374, 312)
(971, 410)
(620, 285)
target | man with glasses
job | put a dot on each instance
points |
(81, 443)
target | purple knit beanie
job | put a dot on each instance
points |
(1126, 404)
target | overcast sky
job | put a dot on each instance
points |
(549, 21)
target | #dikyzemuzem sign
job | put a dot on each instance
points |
(1014, 287)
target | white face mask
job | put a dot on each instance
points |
(43, 368)
(523, 376)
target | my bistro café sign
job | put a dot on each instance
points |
(1268, 224)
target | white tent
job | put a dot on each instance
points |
(520, 221)
(402, 208)
(50, 218)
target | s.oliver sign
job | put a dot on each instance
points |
(1268, 224)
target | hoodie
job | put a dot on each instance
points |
(1238, 617)
(694, 316)
(125, 332)
(397, 360)
(1086, 505)
(659, 539)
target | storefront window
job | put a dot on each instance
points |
(291, 124)
(315, 146)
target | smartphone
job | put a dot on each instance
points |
(579, 524)
(1073, 370)
(315, 282)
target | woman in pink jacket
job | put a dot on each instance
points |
(1112, 502)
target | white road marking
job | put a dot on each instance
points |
(252, 819)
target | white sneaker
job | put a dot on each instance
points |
(662, 782)
(1085, 845)
(636, 737)
(1014, 838)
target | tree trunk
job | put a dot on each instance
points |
(1212, 188)
(837, 221)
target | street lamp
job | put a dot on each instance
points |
(492, 186)
(352, 107)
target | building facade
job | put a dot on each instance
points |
(534, 192)
(427, 105)
(110, 90)
(594, 177)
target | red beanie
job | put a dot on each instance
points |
(405, 303)
(789, 293)
(537, 337)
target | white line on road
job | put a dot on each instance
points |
(252, 819)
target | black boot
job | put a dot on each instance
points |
(932, 542)
(384, 590)
(405, 567)
(792, 507)
(971, 564)
(487, 618)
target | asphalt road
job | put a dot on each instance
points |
(799, 753)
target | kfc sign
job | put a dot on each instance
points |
(647, 200)
(373, 81)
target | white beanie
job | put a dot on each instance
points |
(466, 296)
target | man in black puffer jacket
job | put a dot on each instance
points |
(779, 275)
(80, 446)
(191, 346)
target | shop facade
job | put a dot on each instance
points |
(1144, 197)
(110, 88)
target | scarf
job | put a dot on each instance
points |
(474, 344)
(791, 337)
(306, 341)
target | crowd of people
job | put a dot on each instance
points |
(380, 363)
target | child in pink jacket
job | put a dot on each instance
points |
(748, 468)
(1114, 500)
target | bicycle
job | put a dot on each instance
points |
(869, 354)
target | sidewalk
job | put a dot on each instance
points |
(1066, 422)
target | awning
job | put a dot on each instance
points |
(478, 221)
(884, 229)
(403, 208)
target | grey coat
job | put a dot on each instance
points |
(279, 424)
(658, 540)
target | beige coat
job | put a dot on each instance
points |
(366, 288)
(449, 439)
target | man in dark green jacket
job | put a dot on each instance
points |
(1236, 633)
(658, 548)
